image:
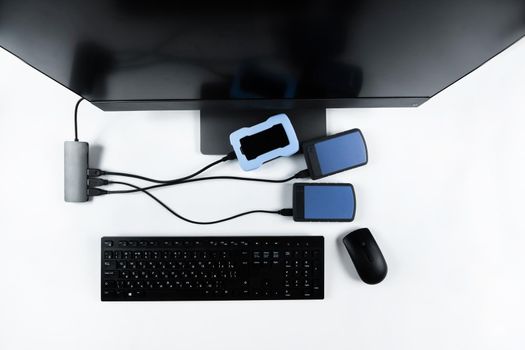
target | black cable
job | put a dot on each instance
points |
(301, 174)
(284, 212)
(97, 172)
(76, 118)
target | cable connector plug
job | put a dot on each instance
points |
(96, 182)
(92, 192)
(286, 212)
(303, 174)
(95, 172)
(229, 156)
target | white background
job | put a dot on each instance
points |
(443, 193)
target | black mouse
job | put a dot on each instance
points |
(366, 256)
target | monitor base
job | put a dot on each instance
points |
(218, 124)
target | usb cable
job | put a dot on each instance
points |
(283, 212)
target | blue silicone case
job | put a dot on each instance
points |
(290, 149)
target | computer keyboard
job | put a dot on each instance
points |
(212, 268)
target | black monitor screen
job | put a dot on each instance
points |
(317, 50)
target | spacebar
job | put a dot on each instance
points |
(180, 294)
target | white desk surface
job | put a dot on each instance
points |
(443, 193)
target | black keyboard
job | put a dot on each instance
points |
(212, 268)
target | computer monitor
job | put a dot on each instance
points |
(241, 61)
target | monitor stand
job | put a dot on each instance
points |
(218, 124)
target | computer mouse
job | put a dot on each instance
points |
(366, 256)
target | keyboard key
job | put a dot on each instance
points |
(109, 274)
(110, 264)
(110, 284)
